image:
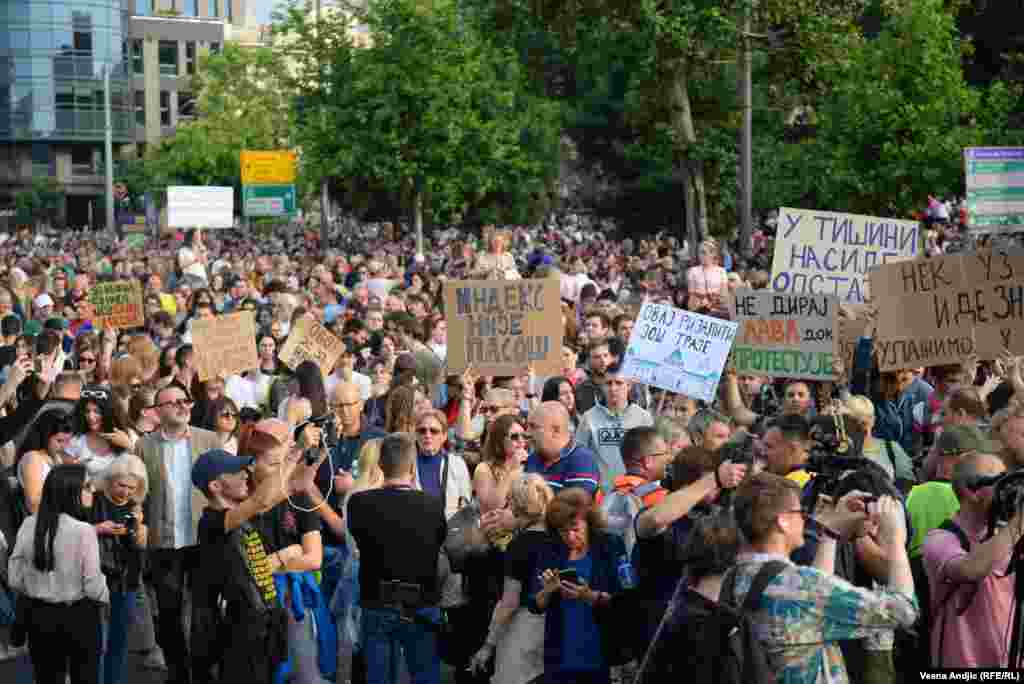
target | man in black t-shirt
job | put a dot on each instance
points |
(399, 532)
(247, 636)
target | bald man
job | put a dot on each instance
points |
(556, 456)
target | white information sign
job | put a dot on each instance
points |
(197, 206)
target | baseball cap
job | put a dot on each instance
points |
(962, 439)
(43, 300)
(216, 462)
(33, 328)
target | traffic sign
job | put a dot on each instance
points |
(268, 200)
(268, 168)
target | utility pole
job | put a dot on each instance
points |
(325, 200)
(746, 202)
(108, 148)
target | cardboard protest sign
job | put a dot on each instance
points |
(940, 311)
(824, 252)
(310, 341)
(785, 335)
(678, 351)
(225, 345)
(500, 327)
(117, 305)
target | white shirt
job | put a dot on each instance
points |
(178, 455)
(196, 268)
(76, 564)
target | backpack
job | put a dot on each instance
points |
(729, 650)
(621, 507)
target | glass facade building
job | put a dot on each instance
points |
(52, 59)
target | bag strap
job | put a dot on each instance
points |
(761, 580)
(646, 488)
(444, 482)
(965, 543)
(892, 457)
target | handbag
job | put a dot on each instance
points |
(465, 539)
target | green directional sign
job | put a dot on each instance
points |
(268, 200)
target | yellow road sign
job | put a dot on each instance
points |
(268, 168)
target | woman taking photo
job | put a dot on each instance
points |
(55, 569)
(516, 636)
(574, 579)
(117, 513)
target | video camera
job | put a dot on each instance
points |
(328, 435)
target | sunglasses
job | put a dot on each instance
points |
(428, 431)
(516, 436)
(229, 414)
(87, 360)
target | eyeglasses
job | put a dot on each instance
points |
(87, 359)
(516, 436)
(229, 414)
(428, 431)
(179, 403)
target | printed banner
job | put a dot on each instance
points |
(823, 252)
(678, 351)
(939, 311)
(225, 344)
(310, 341)
(785, 335)
(117, 305)
(501, 327)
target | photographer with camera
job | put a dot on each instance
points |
(971, 583)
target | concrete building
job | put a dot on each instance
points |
(53, 54)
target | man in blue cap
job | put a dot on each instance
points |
(248, 637)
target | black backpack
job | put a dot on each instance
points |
(729, 651)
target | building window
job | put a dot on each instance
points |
(214, 48)
(165, 108)
(190, 57)
(186, 106)
(214, 9)
(168, 51)
(138, 67)
(83, 42)
(41, 156)
(83, 160)
(191, 8)
(229, 10)
(143, 8)
(140, 108)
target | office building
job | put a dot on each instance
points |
(53, 55)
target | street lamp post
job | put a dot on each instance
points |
(746, 140)
(108, 148)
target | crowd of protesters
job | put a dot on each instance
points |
(372, 521)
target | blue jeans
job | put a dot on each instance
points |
(386, 637)
(115, 632)
(330, 569)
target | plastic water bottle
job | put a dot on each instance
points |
(627, 577)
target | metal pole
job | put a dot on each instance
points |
(418, 221)
(325, 229)
(746, 143)
(108, 148)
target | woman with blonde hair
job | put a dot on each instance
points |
(400, 410)
(706, 282)
(516, 635)
(886, 453)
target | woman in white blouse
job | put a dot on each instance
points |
(192, 257)
(55, 570)
(706, 282)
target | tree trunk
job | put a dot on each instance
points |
(685, 136)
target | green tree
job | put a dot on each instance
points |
(40, 202)
(242, 103)
(428, 109)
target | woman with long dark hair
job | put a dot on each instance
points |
(97, 442)
(55, 568)
(311, 387)
(222, 418)
(44, 448)
(560, 389)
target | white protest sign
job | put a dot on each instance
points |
(197, 206)
(678, 351)
(785, 335)
(824, 252)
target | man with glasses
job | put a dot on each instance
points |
(173, 509)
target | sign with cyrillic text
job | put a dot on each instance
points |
(785, 335)
(117, 305)
(827, 253)
(503, 327)
(225, 345)
(310, 341)
(678, 351)
(939, 311)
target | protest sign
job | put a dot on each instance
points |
(678, 351)
(848, 334)
(501, 327)
(785, 335)
(199, 206)
(940, 311)
(823, 252)
(117, 305)
(224, 345)
(310, 341)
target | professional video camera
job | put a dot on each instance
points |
(837, 449)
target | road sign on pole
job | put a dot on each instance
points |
(268, 168)
(268, 200)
